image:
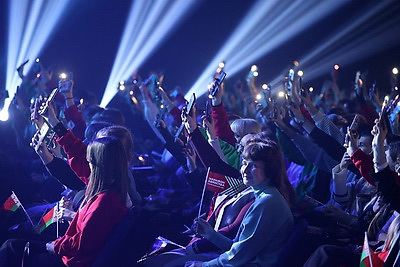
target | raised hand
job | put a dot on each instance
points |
(189, 120)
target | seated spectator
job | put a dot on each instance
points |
(101, 210)
(268, 221)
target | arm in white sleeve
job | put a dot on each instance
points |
(339, 188)
(326, 125)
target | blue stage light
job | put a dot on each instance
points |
(267, 25)
(30, 24)
(149, 23)
(363, 37)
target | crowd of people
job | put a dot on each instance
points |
(311, 175)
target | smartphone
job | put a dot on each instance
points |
(355, 123)
(190, 105)
(42, 132)
(217, 83)
(290, 79)
(372, 90)
(357, 81)
(50, 99)
(189, 109)
(67, 82)
(275, 111)
(208, 111)
(35, 107)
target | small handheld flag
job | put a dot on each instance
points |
(368, 257)
(12, 203)
(48, 219)
(224, 185)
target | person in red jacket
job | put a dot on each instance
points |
(101, 210)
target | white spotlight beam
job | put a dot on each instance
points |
(350, 43)
(246, 46)
(30, 25)
(148, 25)
(364, 18)
(363, 47)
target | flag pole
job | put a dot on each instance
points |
(58, 206)
(22, 207)
(370, 257)
(202, 194)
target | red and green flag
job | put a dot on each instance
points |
(48, 219)
(12, 203)
(368, 257)
(224, 185)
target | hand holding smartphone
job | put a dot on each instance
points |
(217, 83)
(50, 99)
(65, 83)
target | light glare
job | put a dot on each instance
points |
(256, 36)
(149, 23)
(30, 25)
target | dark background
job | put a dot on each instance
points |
(87, 40)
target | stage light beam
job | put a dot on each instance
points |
(30, 25)
(256, 36)
(149, 23)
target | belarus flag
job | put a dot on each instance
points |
(48, 219)
(12, 203)
(368, 257)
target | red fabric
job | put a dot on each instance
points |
(47, 218)
(76, 152)
(216, 182)
(89, 229)
(176, 114)
(306, 114)
(221, 124)
(229, 231)
(364, 164)
(369, 113)
(234, 227)
(73, 114)
(9, 204)
(382, 255)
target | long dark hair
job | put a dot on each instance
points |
(108, 168)
(122, 134)
(269, 152)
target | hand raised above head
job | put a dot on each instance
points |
(50, 116)
(189, 120)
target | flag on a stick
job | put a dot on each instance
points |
(222, 184)
(12, 203)
(368, 257)
(48, 219)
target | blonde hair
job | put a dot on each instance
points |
(242, 127)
